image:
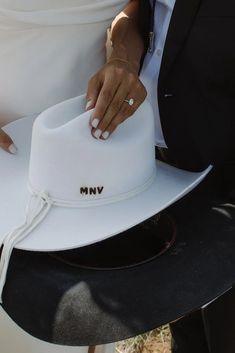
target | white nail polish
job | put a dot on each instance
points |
(12, 148)
(97, 133)
(95, 123)
(89, 104)
(105, 135)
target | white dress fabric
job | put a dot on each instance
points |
(49, 50)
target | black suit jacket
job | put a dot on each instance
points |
(196, 89)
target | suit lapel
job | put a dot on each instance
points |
(181, 22)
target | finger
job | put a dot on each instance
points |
(123, 115)
(93, 89)
(6, 143)
(113, 109)
(138, 95)
(126, 110)
(104, 100)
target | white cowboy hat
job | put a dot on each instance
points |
(80, 190)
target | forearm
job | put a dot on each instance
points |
(127, 43)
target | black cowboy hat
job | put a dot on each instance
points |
(80, 298)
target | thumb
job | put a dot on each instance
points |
(94, 87)
(6, 143)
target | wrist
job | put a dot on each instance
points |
(122, 55)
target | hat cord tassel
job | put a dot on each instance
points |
(37, 209)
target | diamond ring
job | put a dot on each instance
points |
(130, 101)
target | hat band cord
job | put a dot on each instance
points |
(101, 201)
(37, 209)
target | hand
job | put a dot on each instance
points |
(107, 91)
(6, 143)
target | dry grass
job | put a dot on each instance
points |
(157, 341)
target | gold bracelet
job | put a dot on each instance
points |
(119, 59)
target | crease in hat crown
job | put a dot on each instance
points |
(70, 168)
(76, 168)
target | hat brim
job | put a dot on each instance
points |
(68, 228)
(69, 305)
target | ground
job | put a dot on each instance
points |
(157, 341)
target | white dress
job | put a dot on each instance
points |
(49, 49)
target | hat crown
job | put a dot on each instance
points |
(71, 165)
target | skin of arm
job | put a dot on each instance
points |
(126, 39)
(118, 79)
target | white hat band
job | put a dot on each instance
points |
(99, 201)
(37, 209)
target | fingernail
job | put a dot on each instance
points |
(95, 123)
(89, 104)
(105, 135)
(97, 133)
(12, 148)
